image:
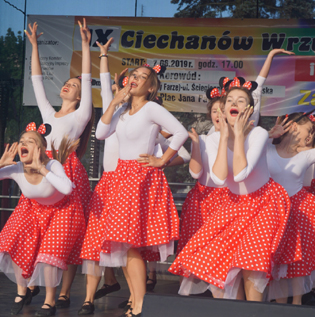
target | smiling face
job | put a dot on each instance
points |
(143, 82)
(71, 90)
(236, 101)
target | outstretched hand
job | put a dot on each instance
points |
(8, 156)
(280, 128)
(278, 51)
(115, 87)
(33, 36)
(105, 48)
(85, 32)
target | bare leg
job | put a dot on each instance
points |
(21, 290)
(50, 296)
(67, 279)
(137, 274)
(91, 286)
(109, 276)
(131, 298)
(283, 300)
(240, 291)
(297, 300)
(251, 293)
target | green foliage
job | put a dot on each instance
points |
(11, 76)
(288, 9)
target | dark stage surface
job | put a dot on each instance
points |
(106, 306)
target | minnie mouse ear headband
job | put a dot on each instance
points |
(123, 81)
(239, 82)
(306, 114)
(44, 129)
(214, 92)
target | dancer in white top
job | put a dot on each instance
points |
(36, 242)
(75, 120)
(288, 165)
(205, 196)
(228, 246)
(139, 188)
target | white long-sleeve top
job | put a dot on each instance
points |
(136, 134)
(52, 188)
(72, 124)
(255, 174)
(289, 172)
(111, 148)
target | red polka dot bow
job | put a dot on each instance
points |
(156, 68)
(236, 83)
(32, 127)
(312, 117)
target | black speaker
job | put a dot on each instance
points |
(185, 306)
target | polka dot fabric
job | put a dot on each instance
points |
(140, 210)
(244, 233)
(76, 172)
(200, 203)
(37, 233)
(92, 239)
(299, 241)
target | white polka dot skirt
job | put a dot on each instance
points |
(49, 234)
(244, 233)
(200, 203)
(138, 209)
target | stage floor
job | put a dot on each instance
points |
(107, 305)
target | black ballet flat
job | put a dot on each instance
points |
(44, 312)
(150, 286)
(86, 309)
(35, 291)
(107, 289)
(127, 307)
(124, 304)
(26, 300)
(63, 303)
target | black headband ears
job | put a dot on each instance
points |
(305, 114)
(221, 82)
(162, 71)
(208, 92)
(120, 81)
(48, 129)
(254, 86)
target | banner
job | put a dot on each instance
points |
(196, 52)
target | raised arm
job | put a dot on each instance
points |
(36, 67)
(44, 106)
(8, 155)
(261, 80)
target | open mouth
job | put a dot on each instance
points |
(65, 89)
(234, 112)
(133, 85)
(24, 152)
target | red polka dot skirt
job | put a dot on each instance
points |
(140, 210)
(244, 233)
(200, 203)
(49, 234)
(76, 172)
(299, 240)
(93, 236)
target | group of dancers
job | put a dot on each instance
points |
(247, 228)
